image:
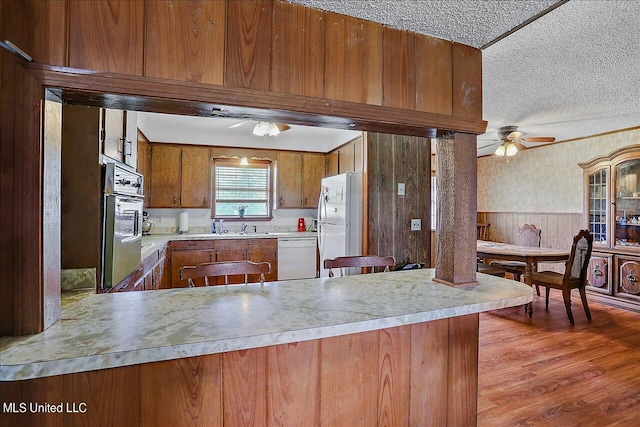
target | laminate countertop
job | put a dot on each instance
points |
(99, 331)
(154, 242)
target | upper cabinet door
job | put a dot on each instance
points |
(196, 177)
(289, 186)
(184, 40)
(106, 35)
(313, 169)
(113, 133)
(165, 176)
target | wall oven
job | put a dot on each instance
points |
(123, 202)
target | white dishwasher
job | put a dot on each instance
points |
(297, 258)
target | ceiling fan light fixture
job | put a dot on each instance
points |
(501, 150)
(266, 129)
(261, 129)
(511, 149)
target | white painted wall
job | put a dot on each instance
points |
(545, 179)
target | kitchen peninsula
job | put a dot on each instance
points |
(337, 351)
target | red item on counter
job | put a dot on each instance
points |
(301, 226)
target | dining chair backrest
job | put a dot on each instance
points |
(576, 267)
(226, 269)
(483, 230)
(367, 261)
(528, 235)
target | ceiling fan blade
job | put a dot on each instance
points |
(487, 146)
(235, 125)
(540, 139)
(519, 146)
(283, 126)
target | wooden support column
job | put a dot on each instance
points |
(457, 206)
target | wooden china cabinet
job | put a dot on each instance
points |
(612, 215)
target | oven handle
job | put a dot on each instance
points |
(137, 221)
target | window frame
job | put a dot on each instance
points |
(235, 162)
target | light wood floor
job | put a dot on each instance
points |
(545, 372)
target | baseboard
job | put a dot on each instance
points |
(613, 301)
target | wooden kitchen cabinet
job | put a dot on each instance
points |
(113, 130)
(195, 189)
(180, 177)
(256, 250)
(194, 252)
(289, 185)
(148, 276)
(313, 170)
(299, 176)
(188, 252)
(346, 158)
(164, 179)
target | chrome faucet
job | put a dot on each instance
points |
(220, 227)
(244, 228)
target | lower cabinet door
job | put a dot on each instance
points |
(599, 273)
(181, 258)
(628, 277)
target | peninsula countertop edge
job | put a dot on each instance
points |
(100, 331)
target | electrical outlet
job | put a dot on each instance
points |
(416, 224)
(159, 219)
(401, 189)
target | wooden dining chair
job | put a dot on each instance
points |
(575, 275)
(483, 230)
(363, 262)
(528, 235)
(226, 268)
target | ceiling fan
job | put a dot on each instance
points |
(264, 128)
(511, 141)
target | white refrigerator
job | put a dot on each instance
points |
(340, 217)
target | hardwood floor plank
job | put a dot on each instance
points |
(542, 371)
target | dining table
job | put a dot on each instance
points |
(530, 255)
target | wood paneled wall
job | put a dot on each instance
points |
(266, 47)
(422, 374)
(392, 159)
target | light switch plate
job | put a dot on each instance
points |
(416, 224)
(401, 189)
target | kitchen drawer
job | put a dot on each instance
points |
(190, 245)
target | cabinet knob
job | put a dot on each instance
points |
(597, 272)
(632, 278)
(281, 201)
(174, 200)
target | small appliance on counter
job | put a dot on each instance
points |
(301, 225)
(146, 224)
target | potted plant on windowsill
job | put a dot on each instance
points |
(241, 210)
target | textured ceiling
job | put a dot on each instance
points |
(572, 72)
(471, 22)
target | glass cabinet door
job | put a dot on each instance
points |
(598, 206)
(627, 204)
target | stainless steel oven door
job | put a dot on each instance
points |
(122, 238)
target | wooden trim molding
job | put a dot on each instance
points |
(156, 95)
